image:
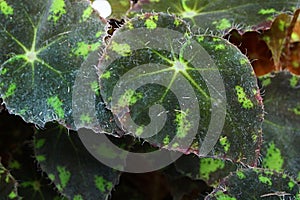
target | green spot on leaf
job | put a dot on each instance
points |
(240, 174)
(183, 125)
(254, 137)
(225, 143)
(166, 140)
(64, 176)
(40, 143)
(267, 11)
(14, 165)
(102, 184)
(200, 38)
(175, 145)
(221, 196)
(129, 98)
(85, 118)
(266, 82)
(150, 22)
(291, 185)
(209, 165)
(242, 97)
(265, 180)
(177, 22)
(86, 14)
(57, 10)
(273, 159)
(5, 8)
(40, 158)
(106, 75)
(98, 34)
(35, 185)
(95, 87)
(51, 177)
(243, 61)
(121, 49)
(12, 195)
(295, 110)
(219, 47)
(11, 90)
(294, 81)
(139, 131)
(222, 24)
(78, 197)
(56, 104)
(3, 71)
(84, 49)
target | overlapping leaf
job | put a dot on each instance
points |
(42, 46)
(256, 184)
(151, 60)
(163, 184)
(220, 14)
(16, 152)
(8, 185)
(272, 47)
(281, 128)
(74, 171)
(211, 170)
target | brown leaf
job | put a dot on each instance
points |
(252, 45)
(276, 38)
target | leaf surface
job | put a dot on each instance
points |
(179, 92)
(74, 171)
(42, 46)
(256, 184)
(220, 15)
(8, 184)
(281, 128)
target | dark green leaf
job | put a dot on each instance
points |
(42, 46)
(16, 152)
(256, 184)
(281, 126)
(221, 14)
(74, 171)
(8, 185)
(205, 85)
(211, 170)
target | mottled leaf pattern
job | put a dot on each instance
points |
(42, 46)
(256, 184)
(74, 171)
(211, 170)
(17, 155)
(153, 77)
(8, 185)
(281, 128)
(177, 91)
(220, 15)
